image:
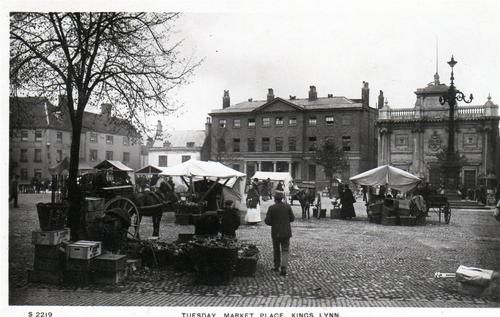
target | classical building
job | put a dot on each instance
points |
(281, 135)
(40, 137)
(410, 138)
(176, 147)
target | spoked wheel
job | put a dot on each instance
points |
(132, 210)
(447, 213)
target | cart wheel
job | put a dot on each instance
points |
(447, 213)
(129, 206)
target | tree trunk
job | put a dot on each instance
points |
(75, 221)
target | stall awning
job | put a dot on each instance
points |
(195, 168)
(149, 169)
(274, 176)
(115, 165)
(387, 175)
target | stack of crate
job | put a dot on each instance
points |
(49, 259)
(109, 268)
(80, 255)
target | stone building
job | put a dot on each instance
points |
(279, 134)
(40, 137)
(410, 138)
(170, 149)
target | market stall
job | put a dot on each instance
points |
(146, 177)
(275, 178)
(382, 207)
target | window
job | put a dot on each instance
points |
(346, 143)
(190, 144)
(93, 137)
(329, 120)
(24, 173)
(292, 122)
(185, 158)
(312, 143)
(402, 140)
(221, 145)
(236, 123)
(266, 122)
(59, 156)
(24, 136)
(93, 156)
(109, 155)
(251, 123)
(265, 144)
(109, 139)
(38, 155)
(292, 143)
(222, 123)
(38, 136)
(59, 137)
(162, 160)
(236, 145)
(347, 120)
(251, 145)
(24, 155)
(312, 121)
(126, 141)
(279, 144)
(126, 157)
(470, 139)
(236, 167)
(278, 121)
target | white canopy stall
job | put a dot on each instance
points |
(387, 175)
(285, 177)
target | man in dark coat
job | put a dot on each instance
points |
(279, 216)
(14, 190)
(230, 220)
(347, 200)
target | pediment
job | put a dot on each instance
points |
(278, 105)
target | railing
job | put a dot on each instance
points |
(462, 112)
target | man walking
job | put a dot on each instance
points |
(279, 216)
(14, 190)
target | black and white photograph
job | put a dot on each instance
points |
(251, 159)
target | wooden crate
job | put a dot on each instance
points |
(83, 249)
(49, 264)
(78, 265)
(109, 277)
(109, 263)
(48, 251)
(77, 277)
(52, 237)
(389, 221)
(407, 220)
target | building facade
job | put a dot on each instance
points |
(40, 137)
(177, 147)
(410, 138)
(282, 135)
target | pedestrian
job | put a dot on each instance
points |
(269, 188)
(14, 190)
(347, 200)
(230, 220)
(253, 206)
(279, 216)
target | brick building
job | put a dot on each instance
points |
(40, 137)
(281, 135)
(410, 138)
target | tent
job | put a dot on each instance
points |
(276, 177)
(387, 175)
(115, 165)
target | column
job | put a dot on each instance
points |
(274, 166)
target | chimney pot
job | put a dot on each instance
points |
(313, 94)
(330, 95)
(250, 99)
(365, 94)
(226, 101)
(270, 94)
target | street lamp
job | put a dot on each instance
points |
(451, 164)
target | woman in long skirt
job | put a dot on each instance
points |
(253, 206)
(347, 200)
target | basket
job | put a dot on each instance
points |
(52, 216)
(335, 213)
(214, 266)
(246, 266)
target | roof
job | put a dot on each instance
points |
(116, 165)
(149, 169)
(39, 112)
(336, 102)
(180, 138)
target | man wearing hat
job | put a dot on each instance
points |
(279, 216)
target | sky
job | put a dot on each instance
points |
(389, 44)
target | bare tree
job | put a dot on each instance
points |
(332, 158)
(130, 60)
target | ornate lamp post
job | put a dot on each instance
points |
(451, 164)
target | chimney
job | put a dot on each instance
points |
(226, 101)
(365, 95)
(313, 94)
(159, 131)
(270, 94)
(106, 109)
(330, 95)
(208, 126)
(381, 100)
(293, 97)
(250, 99)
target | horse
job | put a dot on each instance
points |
(153, 204)
(306, 198)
